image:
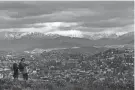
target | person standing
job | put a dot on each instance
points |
(23, 69)
(15, 71)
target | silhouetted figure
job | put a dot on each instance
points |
(15, 69)
(23, 69)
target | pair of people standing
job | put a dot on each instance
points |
(22, 67)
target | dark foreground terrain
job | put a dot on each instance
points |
(111, 69)
(6, 84)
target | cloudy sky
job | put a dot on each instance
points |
(63, 17)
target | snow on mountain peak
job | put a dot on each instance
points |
(68, 33)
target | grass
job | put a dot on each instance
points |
(7, 84)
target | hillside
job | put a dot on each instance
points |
(110, 69)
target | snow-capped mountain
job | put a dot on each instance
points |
(23, 41)
(71, 33)
(19, 35)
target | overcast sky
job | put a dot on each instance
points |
(84, 16)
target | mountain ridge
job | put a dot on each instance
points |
(75, 34)
(30, 42)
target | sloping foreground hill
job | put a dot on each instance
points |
(108, 70)
(7, 84)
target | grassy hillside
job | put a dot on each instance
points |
(111, 69)
(7, 84)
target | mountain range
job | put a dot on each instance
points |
(22, 41)
(71, 33)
